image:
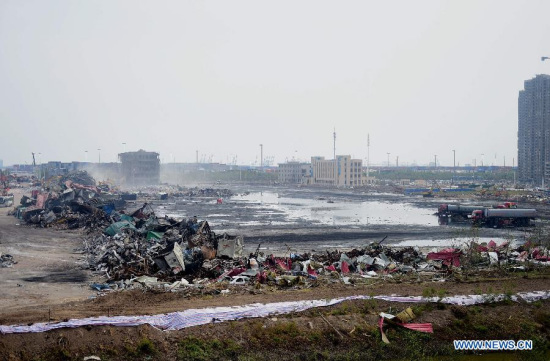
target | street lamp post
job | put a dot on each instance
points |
(388, 159)
(435, 160)
(124, 147)
(86, 156)
(99, 155)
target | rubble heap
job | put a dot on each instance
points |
(139, 243)
(6, 261)
(66, 203)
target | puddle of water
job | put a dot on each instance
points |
(339, 212)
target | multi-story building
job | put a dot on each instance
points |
(341, 172)
(293, 172)
(534, 130)
(140, 168)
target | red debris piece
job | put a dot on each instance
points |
(482, 249)
(311, 271)
(284, 265)
(262, 277)
(449, 256)
(345, 267)
(421, 327)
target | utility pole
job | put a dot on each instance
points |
(261, 156)
(40, 166)
(435, 160)
(388, 159)
(197, 156)
(99, 155)
(454, 166)
(368, 156)
(334, 134)
(397, 161)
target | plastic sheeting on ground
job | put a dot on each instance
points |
(197, 317)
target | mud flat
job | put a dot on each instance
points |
(312, 219)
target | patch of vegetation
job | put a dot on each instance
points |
(420, 309)
(542, 317)
(146, 346)
(194, 349)
(55, 354)
(432, 292)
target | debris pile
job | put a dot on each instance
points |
(6, 260)
(141, 244)
(188, 254)
(491, 254)
(72, 201)
(163, 192)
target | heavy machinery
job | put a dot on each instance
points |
(511, 217)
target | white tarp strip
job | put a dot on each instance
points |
(196, 317)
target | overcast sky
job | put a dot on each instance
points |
(222, 77)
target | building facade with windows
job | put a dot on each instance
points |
(340, 172)
(293, 172)
(534, 130)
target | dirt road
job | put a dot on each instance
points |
(48, 270)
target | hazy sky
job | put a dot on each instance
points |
(221, 77)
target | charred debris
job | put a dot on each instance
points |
(128, 246)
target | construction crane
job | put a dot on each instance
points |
(33, 160)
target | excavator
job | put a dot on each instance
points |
(430, 193)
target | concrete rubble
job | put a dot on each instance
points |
(6, 260)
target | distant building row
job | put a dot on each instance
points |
(340, 172)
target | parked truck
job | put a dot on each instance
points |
(457, 212)
(511, 217)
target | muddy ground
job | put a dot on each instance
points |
(261, 223)
(49, 283)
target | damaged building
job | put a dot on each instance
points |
(140, 168)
